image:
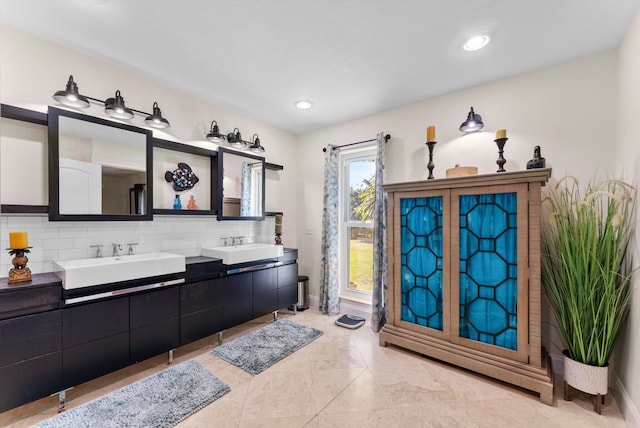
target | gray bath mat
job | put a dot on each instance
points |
(161, 400)
(264, 347)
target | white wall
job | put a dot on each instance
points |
(569, 110)
(628, 150)
(32, 69)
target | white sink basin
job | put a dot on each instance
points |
(244, 253)
(86, 272)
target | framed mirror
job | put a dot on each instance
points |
(241, 181)
(98, 169)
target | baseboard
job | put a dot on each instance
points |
(346, 307)
(627, 407)
(355, 308)
(314, 302)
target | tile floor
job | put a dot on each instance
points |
(344, 379)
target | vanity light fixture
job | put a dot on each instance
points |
(235, 140)
(214, 134)
(476, 42)
(70, 96)
(114, 107)
(255, 146)
(156, 120)
(473, 122)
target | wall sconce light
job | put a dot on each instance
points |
(70, 96)
(214, 134)
(114, 107)
(473, 122)
(155, 120)
(255, 146)
(235, 140)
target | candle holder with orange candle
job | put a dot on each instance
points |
(20, 272)
(19, 248)
(501, 160)
(431, 165)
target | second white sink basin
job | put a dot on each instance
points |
(244, 253)
(86, 272)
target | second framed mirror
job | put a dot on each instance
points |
(241, 186)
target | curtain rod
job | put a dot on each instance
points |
(386, 139)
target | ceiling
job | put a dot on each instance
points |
(351, 58)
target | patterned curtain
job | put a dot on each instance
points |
(378, 304)
(329, 271)
(245, 190)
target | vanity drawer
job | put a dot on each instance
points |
(30, 336)
(200, 296)
(85, 323)
(154, 307)
(288, 275)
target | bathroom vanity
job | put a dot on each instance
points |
(53, 339)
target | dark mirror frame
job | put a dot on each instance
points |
(54, 178)
(221, 153)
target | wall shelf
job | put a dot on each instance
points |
(273, 166)
(166, 156)
(23, 114)
(160, 211)
(24, 209)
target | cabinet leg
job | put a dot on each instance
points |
(219, 338)
(62, 400)
(170, 356)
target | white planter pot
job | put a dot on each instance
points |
(583, 377)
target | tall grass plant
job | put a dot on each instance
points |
(586, 263)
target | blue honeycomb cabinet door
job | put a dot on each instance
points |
(488, 268)
(421, 261)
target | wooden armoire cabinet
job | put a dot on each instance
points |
(464, 274)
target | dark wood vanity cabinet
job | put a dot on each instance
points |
(274, 289)
(237, 299)
(200, 310)
(46, 347)
(30, 358)
(287, 285)
(95, 340)
(154, 323)
(265, 291)
(105, 336)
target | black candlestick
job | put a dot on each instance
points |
(430, 165)
(501, 160)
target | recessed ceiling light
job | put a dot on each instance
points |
(476, 42)
(304, 104)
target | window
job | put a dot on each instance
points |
(356, 223)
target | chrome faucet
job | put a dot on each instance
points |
(130, 252)
(225, 241)
(116, 248)
(238, 238)
(98, 250)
